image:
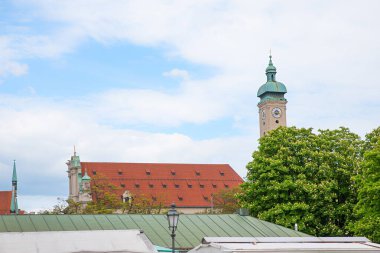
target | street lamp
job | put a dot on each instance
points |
(173, 217)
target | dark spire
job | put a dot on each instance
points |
(14, 205)
(14, 176)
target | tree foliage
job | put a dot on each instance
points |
(105, 197)
(368, 206)
(225, 201)
(143, 204)
(68, 206)
(300, 177)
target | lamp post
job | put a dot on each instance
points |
(173, 217)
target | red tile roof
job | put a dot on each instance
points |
(188, 185)
(5, 202)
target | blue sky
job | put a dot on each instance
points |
(172, 81)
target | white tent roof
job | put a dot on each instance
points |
(76, 241)
(285, 244)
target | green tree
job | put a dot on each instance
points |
(300, 177)
(368, 206)
(144, 204)
(225, 201)
(105, 197)
(372, 139)
(68, 206)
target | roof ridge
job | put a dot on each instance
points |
(171, 163)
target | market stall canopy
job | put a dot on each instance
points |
(121, 241)
(191, 228)
(285, 244)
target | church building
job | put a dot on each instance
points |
(190, 186)
(272, 105)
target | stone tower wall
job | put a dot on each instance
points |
(266, 118)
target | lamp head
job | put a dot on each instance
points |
(173, 217)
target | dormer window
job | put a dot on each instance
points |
(180, 197)
(154, 198)
(189, 185)
(214, 185)
(120, 172)
(94, 172)
(205, 198)
(122, 185)
(164, 185)
(151, 185)
(176, 185)
(201, 185)
(197, 173)
(226, 186)
(147, 172)
(221, 173)
(172, 172)
(137, 185)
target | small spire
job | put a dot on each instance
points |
(14, 176)
(270, 58)
(86, 176)
(75, 152)
(271, 69)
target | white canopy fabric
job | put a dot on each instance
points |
(285, 244)
(76, 241)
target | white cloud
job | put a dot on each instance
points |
(13, 68)
(313, 42)
(14, 49)
(322, 47)
(177, 73)
(37, 203)
(48, 130)
(7, 64)
(195, 101)
(230, 35)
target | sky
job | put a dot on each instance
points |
(172, 81)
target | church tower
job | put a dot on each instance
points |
(14, 205)
(75, 176)
(79, 186)
(272, 105)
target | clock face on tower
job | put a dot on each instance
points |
(276, 112)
